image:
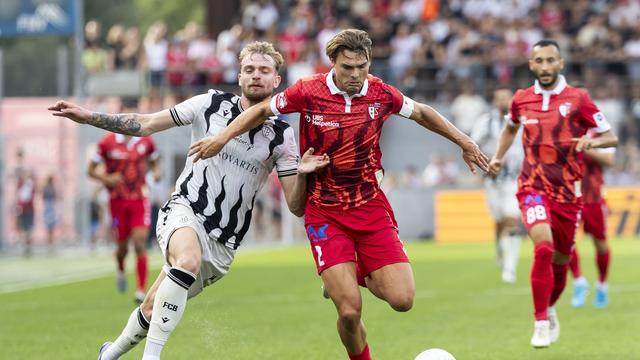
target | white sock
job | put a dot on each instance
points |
(580, 280)
(135, 330)
(514, 251)
(168, 307)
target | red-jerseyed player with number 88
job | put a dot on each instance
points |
(556, 118)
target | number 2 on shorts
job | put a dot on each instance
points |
(319, 251)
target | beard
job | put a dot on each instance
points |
(256, 96)
(552, 77)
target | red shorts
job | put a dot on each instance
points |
(367, 235)
(127, 215)
(537, 208)
(594, 219)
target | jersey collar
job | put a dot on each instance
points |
(334, 89)
(562, 83)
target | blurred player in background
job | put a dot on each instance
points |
(501, 189)
(25, 196)
(208, 215)
(350, 224)
(594, 220)
(556, 118)
(125, 160)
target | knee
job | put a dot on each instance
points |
(402, 301)
(189, 262)
(350, 315)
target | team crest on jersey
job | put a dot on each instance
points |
(266, 132)
(225, 109)
(373, 110)
(141, 149)
(281, 101)
(565, 109)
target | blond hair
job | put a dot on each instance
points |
(350, 39)
(264, 48)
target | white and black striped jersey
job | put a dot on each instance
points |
(221, 190)
(486, 133)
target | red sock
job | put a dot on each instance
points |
(142, 272)
(541, 278)
(603, 265)
(364, 355)
(559, 282)
(574, 264)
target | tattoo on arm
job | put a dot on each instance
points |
(127, 124)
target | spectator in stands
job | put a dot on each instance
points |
(115, 45)
(467, 107)
(155, 49)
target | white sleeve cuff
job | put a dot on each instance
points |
(602, 124)
(96, 158)
(274, 108)
(407, 107)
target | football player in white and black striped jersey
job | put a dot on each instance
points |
(206, 218)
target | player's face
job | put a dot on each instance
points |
(502, 100)
(258, 77)
(351, 69)
(546, 64)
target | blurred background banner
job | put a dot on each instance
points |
(37, 17)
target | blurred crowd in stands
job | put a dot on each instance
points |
(455, 52)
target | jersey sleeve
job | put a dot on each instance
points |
(288, 101)
(152, 151)
(186, 112)
(287, 162)
(513, 117)
(591, 115)
(102, 150)
(401, 104)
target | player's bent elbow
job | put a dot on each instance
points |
(297, 210)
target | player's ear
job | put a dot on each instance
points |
(276, 81)
(561, 61)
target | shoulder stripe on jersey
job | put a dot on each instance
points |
(175, 117)
(278, 139)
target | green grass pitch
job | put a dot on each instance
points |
(270, 307)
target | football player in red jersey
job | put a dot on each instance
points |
(556, 118)
(350, 224)
(125, 165)
(594, 220)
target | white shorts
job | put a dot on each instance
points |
(216, 258)
(502, 201)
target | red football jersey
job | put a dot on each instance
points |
(551, 118)
(130, 160)
(345, 127)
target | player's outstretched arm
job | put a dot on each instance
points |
(295, 187)
(507, 135)
(127, 124)
(429, 118)
(247, 120)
